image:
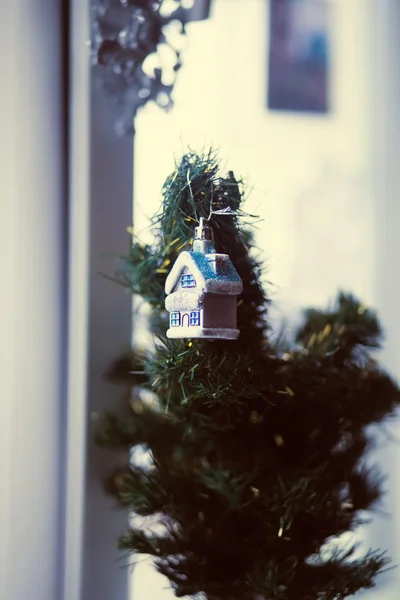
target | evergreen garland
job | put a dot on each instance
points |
(257, 450)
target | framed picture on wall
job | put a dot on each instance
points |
(299, 55)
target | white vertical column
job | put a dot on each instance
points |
(384, 65)
(33, 228)
(385, 93)
(100, 323)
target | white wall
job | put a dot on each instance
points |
(315, 178)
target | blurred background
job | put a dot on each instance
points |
(283, 92)
(299, 97)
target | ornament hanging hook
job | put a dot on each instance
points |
(211, 199)
(191, 194)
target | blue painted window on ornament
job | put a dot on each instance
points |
(188, 281)
(194, 319)
(175, 319)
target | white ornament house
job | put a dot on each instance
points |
(202, 290)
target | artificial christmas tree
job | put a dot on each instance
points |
(256, 445)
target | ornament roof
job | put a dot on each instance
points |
(214, 273)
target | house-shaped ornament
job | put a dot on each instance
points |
(202, 290)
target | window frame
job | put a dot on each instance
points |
(194, 315)
(188, 281)
(173, 320)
